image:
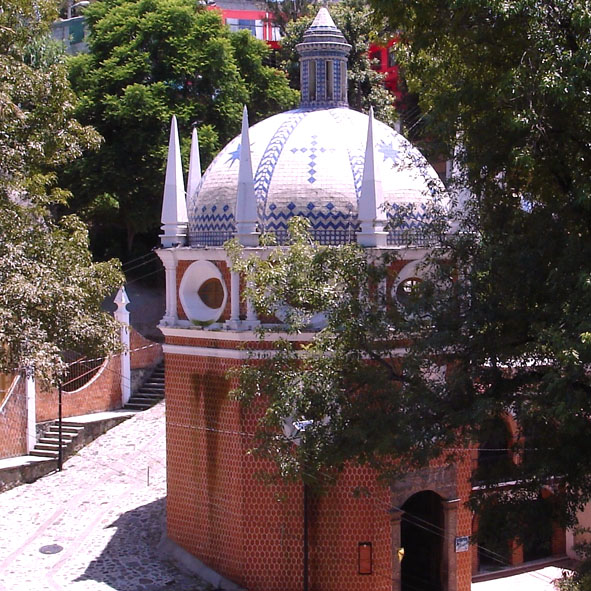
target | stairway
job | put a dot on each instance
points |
(48, 445)
(151, 392)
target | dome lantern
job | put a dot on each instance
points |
(323, 64)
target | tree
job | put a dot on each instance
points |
(504, 307)
(283, 13)
(148, 60)
(50, 290)
(365, 85)
(358, 403)
(506, 89)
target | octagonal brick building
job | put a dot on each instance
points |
(349, 175)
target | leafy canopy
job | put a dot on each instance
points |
(505, 304)
(148, 60)
(346, 384)
(505, 86)
(50, 290)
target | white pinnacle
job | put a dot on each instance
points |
(371, 212)
(194, 166)
(246, 204)
(323, 19)
(174, 208)
(121, 299)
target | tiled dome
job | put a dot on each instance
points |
(310, 162)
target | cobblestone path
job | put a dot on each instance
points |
(94, 526)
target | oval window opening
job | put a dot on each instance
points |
(407, 290)
(211, 293)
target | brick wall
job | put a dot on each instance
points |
(144, 353)
(103, 391)
(13, 421)
(252, 532)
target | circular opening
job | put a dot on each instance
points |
(203, 293)
(211, 293)
(407, 290)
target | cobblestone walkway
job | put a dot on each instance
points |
(94, 526)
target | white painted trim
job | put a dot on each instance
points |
(235, 336)
(215, 353)
(218, 253)
(31, 398)
(234, 353)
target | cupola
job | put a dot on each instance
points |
(323, 64)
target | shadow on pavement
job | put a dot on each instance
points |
(130, 561)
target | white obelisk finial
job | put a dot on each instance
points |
(371, 213)
(246, 203)
(174, 208)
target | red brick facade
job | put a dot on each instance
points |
(101, 393)
(252, 532)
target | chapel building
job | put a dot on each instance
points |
(337, 167)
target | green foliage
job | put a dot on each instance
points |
(356, 21)
(364, 406)
(50, 290)
(504, 304)
(505, 88)
(282, 14)
(51, 294)
(148, 60)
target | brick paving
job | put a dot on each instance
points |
(104, 514)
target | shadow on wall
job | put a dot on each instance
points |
(130, 561)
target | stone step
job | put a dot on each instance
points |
(68, 423)
(152, 386)
(134, 406)
(50, 447)
(149, 394)
(73, 431)
(41, 453)
(146, 401)
(55, 438)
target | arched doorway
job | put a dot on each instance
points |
(422, 536)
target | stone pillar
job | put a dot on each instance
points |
(170, 262)
(122, 315)
(449, 558)
(251, 316)
(395, 520)
(31, 433)
(234, 296)
(234, 322)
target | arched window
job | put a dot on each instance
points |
(312, 80)
(495, 460)
(329, 80)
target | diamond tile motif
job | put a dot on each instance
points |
(310, 162)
